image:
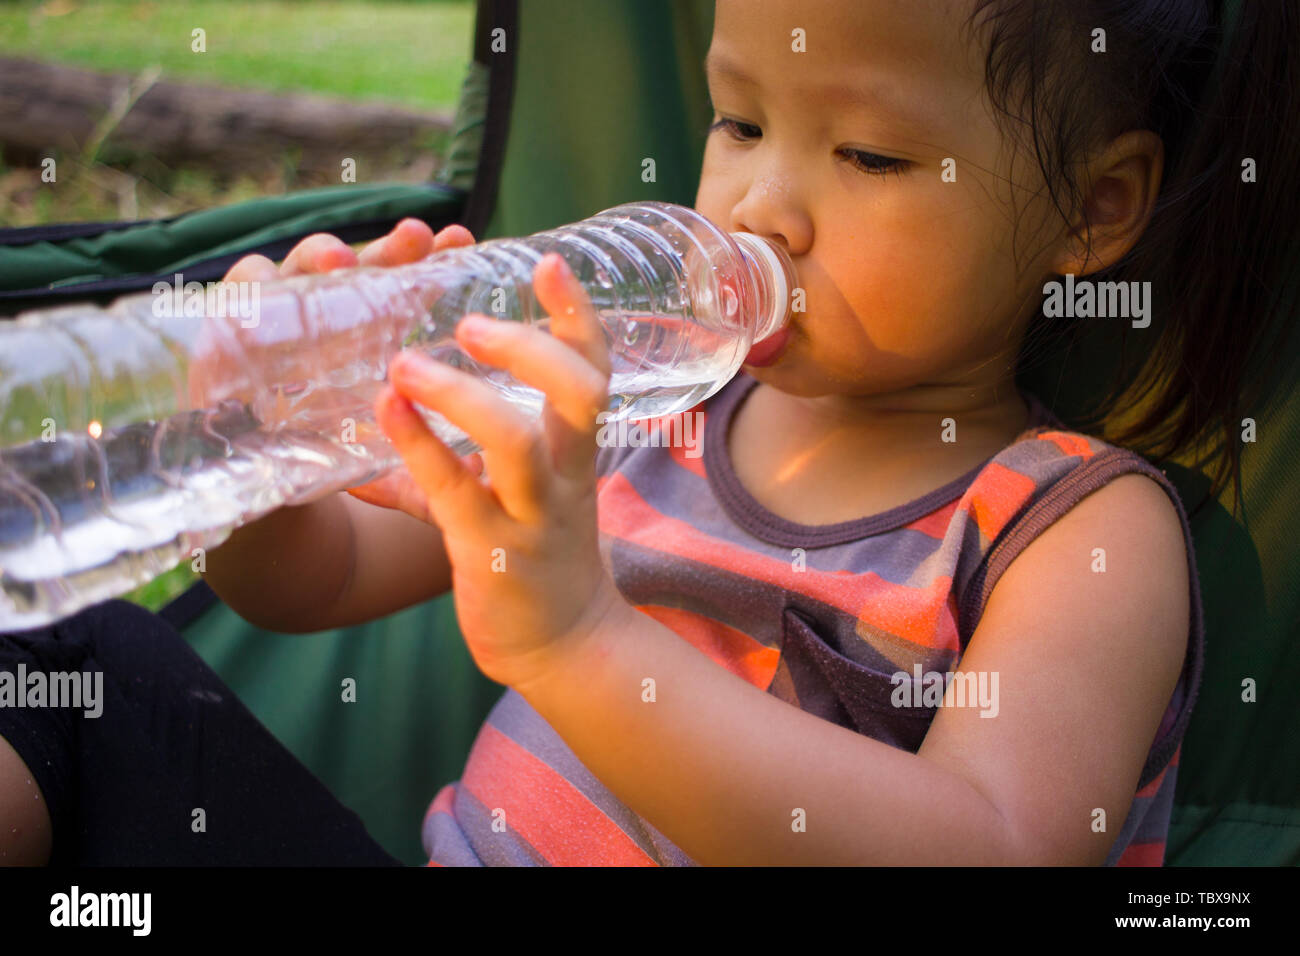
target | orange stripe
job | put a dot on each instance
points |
(726, 646)
(1142, 854)
(936, 523)
(1069, 443)
(995, 496)
(920, 616)
(628, 516)
(543, 808)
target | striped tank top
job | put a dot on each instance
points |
(823, 617)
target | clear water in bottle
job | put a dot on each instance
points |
(128, 439)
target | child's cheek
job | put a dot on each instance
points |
(913, 300)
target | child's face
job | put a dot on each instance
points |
(909, 278)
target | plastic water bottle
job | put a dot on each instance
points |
(135, 436)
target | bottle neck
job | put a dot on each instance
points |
(774, 281)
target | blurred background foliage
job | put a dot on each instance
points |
(411, 54)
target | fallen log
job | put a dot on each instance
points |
(47, 107)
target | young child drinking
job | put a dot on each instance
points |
(897, 612)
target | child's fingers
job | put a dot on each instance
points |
(450, 491)
(474, 464)
(452, 237)
(512, 447)
(252, 268)
(575, 391)
(398, 490)
(410, 240)
(573, 317)
(320, 252)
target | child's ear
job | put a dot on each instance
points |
(1120, 185)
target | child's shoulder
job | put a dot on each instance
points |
(1052, 467)
(1072, 491)
(1056, 504)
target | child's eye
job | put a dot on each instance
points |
(873, 163)
(736, 129)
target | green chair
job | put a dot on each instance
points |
(553, 128)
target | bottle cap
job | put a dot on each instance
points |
(774, 265)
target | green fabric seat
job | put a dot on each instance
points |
(554, 128)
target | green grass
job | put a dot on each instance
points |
(157, 593)
(405, 53)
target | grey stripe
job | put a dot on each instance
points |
(444, 842)
(503, 848)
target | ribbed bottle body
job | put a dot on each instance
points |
(134, 435)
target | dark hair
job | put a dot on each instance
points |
(1217, 250)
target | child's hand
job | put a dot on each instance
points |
(526, 565)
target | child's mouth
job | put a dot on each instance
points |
(769, 350)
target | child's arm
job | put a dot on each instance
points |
(1087, 663)
(331, 563)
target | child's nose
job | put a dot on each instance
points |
(771, 208)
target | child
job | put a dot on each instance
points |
(877, 505)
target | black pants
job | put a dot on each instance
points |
(123, 788)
